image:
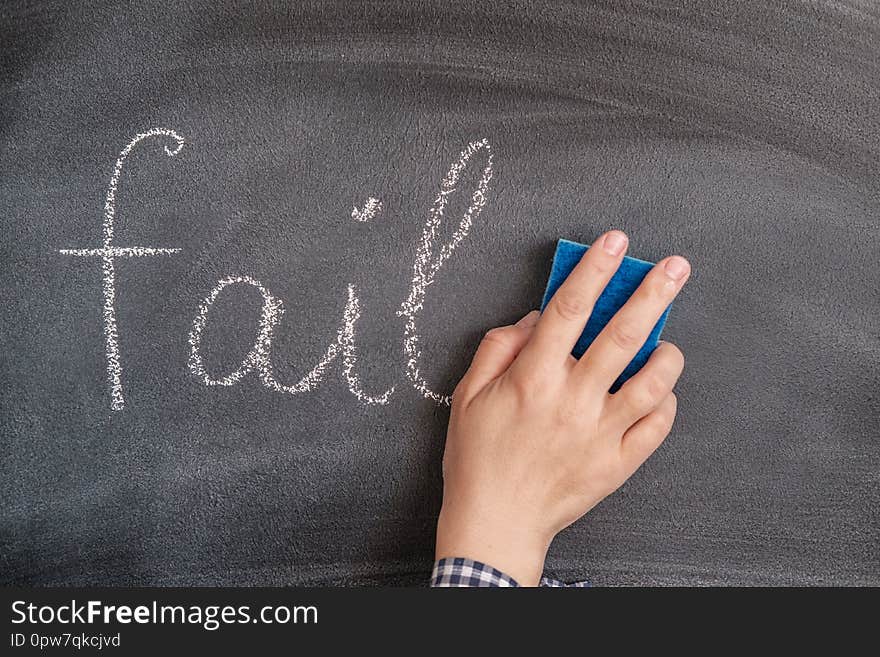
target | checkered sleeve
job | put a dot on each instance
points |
(555, 583)
(460, 572)
(454, 572)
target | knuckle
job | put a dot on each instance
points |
(570, 306)
(659, 286)
(656, 389)
(461, 393)
(624, 334)
(661, 423)
(599, 266)
(674, 356)
(525, 386)
(534, 388)
(639, 400)
(499, 335)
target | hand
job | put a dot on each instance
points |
(535, 439)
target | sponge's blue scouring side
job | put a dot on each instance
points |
(619, 289)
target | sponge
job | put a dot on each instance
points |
(619, 289)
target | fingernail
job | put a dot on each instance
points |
(529, 320)
(677, 268)
(615, 243)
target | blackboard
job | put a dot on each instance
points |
(282, 168)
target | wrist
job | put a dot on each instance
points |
(508, 546)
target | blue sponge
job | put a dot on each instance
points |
(619, 289)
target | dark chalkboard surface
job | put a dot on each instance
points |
(220, 193)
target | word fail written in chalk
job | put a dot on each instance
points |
(429, 259)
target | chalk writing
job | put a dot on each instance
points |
(429, 259)
(108, 252)
(427, 264)
(371, 208)
(260, 356)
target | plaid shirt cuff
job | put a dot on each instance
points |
(459, 572)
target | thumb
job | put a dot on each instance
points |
(497, 350)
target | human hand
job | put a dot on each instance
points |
(535, 440)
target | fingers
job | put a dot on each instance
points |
(645, 391)
(566, 314)
(624, 335)
(646, 435)
(498, 349)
